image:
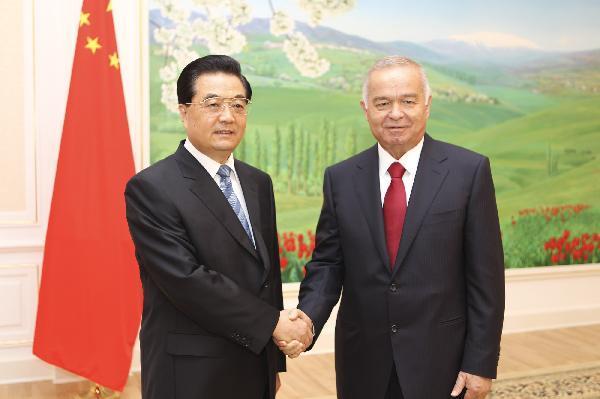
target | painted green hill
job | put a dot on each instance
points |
(549, 157)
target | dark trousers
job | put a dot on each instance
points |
(394, 391)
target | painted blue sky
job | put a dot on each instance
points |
(546, 24)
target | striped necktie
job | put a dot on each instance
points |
(224, 172)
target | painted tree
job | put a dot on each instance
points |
(351, 145)
(241, 150)
(333, 154)
(258, 156)
(306, 162)
(300, 186)
(277, 158)
(291, 158)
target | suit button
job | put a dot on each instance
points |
(394, 329)
(393, 287)
(266, 285)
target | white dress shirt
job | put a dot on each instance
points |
(410, 161)
(212, 167)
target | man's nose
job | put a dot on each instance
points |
(397, 111)
(226, 114)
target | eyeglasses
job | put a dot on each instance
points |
(216, 105)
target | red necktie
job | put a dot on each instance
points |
(394, 211)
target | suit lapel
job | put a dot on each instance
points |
(207, 191)
(366, 184)
(253, 204)
(430, 176)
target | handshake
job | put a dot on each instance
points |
(294, 332)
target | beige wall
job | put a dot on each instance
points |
(12, 129)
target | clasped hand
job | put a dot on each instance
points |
(293, 333)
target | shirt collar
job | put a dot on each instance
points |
(410, 159)
(211, 166)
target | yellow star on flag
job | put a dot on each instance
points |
(92, 44)
(84, 19)
(109, 7)
(114, 60)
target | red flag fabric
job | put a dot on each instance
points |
(90, 295)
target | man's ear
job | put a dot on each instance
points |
(182, 112)
(428, 106)
(363, 105)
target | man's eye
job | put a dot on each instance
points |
(382, 104)
(213, 104)
(409, 102)
(238, 105)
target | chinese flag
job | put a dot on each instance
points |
(90, 295)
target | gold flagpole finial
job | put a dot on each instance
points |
(97, 391)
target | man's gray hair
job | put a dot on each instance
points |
(391, 61)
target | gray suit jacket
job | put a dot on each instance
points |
(211, 301)
(441, 308)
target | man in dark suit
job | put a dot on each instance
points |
(409, 236)
(204, 230)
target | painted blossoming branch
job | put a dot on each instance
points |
(218, 30)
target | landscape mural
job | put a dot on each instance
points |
(517, 82)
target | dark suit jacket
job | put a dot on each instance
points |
(441, 308)
(211, 301)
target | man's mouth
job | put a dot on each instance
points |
(224, 132)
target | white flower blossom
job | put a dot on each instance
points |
(200, 28)
(179, 16)
(316, 16)
(304, 56)
(209, 3)
(165, 5)
(184, 56)
(241, 12)
(164, 35)
(222, 38)
(170, 9)
(328, 6)
(317, 9)
(184, 35)
(169, 96)
(169, 72)
(281, 23)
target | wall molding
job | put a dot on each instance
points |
(552, 272)
(533, 300)
(21, 247)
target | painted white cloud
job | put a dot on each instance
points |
(495, 39)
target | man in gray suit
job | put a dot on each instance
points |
(409, 237)
(204, 229)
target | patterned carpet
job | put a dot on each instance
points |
(581, 383)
